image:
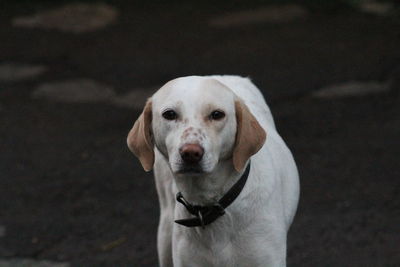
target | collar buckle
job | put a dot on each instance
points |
(205, 215)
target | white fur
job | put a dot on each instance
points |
(253, 230)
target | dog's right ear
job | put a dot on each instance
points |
(139, 138)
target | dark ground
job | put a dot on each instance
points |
(69, 186)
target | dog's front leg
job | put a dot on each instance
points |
(164, 241)
(164, 233)
(164, 183)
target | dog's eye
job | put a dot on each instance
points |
(170, 115)
(217, 115)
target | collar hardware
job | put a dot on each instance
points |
(205, 215)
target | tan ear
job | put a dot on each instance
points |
(250, 136)
(139, 138)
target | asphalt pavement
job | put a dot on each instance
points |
(71, 193)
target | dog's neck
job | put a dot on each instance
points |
(208, 188)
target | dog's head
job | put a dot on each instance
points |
(195, 123)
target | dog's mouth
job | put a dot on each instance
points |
(201, 167)
(190, 169)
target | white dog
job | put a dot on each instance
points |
(227, 183)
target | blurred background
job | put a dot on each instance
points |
(74, 76)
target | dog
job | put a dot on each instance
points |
(227, 184)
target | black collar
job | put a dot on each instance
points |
(208, 214)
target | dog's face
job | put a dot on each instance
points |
(195, 123)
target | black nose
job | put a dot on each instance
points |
(191, 153)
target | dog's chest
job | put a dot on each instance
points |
(201, 247)
(204, 250)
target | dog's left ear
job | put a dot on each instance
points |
(139, 138)
(250, 136)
